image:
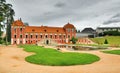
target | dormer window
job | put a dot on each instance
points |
(57, 30)
(45, 30)
(33, 30)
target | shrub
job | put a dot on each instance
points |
(74, 40)
(105, 42)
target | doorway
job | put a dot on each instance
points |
(47, 42)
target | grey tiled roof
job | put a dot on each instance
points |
(88, 30)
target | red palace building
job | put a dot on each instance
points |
(24, 34)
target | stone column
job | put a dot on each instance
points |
(18, 41)
(11, 40)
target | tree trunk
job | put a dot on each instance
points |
(6, 32)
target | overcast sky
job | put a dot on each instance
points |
(81, 13)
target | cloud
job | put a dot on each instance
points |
(114, 19)
(116, 16)
(81, 13)
(60, 4)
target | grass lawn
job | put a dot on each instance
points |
(112, 40)
(113, 52)
(47, 56)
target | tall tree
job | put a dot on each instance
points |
(7, 14)
(1, 16)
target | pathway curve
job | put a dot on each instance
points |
(12, 61)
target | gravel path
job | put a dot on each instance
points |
(12, 61)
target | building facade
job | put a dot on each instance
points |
(23, 34)
(86, 32)
(108, 27)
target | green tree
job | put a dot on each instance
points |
(6, 17)
(105, 42)
(74, 40)
(1, 18)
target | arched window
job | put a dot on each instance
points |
(30, 36)
(46, 36)
(55, 36)
(14, 36)
(36, 36)
(40, 36)
(26, 41)
(15, 42)
(68, 36)
(26, 36)
(15, 30)
(21, 29)
(50, 36)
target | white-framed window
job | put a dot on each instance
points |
(68, 30)
(73, 30)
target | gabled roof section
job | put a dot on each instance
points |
(18, 23)
(88, 30)
(44, 29)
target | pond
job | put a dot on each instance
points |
(89, 47)
(82, 47)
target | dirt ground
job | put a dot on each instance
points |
(12, 60)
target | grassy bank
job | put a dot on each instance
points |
(112, 40)
(113, 52)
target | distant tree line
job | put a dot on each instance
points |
(77, 31)
(110, 33)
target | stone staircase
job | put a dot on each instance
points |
(85, 41)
